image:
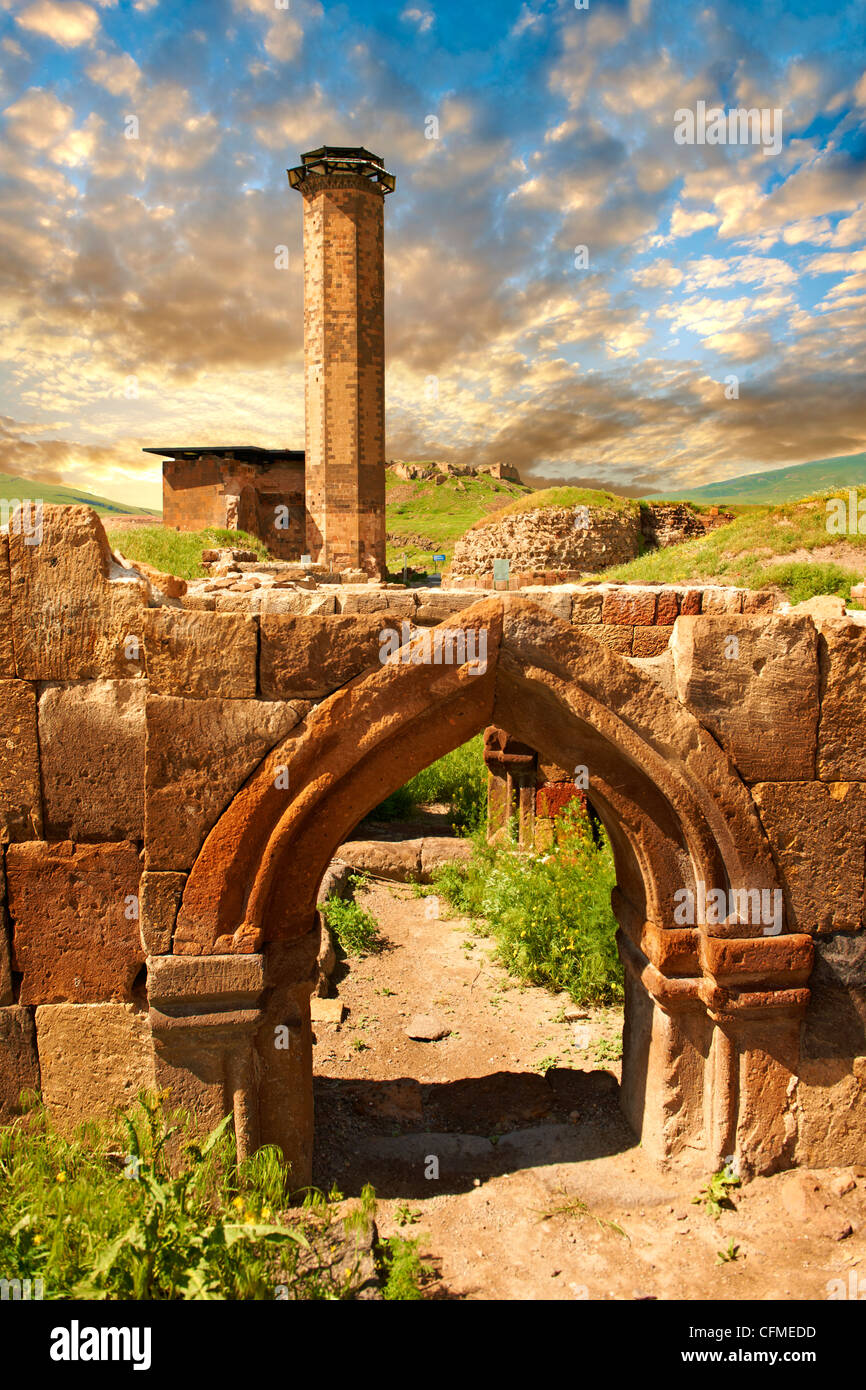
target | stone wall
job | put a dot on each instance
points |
(267, 500)
(568, 542)
(158, 924)
(550, 538)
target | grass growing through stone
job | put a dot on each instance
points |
(179, 552)
(549, 914)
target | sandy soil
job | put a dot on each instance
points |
(542, 1190)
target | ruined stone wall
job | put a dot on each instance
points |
(130, 724)
(550, 538)
(265, 500)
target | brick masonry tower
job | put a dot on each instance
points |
(344, 354)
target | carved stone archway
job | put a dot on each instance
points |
(713, 1010)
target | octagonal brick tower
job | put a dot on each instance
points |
(344, 354)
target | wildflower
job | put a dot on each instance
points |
(238, 1203)
(60, 1177)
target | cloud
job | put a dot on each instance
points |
(421, 18)
(67, 22)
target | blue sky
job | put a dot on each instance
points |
(717, 325)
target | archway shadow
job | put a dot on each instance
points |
(385, 1132)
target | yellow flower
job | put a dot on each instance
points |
(37, 1240)
(249, 1219)
(266, 1213)
(61, 1177)
(238, 1203)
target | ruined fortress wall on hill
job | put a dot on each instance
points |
(551, 538)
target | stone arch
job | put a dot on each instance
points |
(698, 997)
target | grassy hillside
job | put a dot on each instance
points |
(432, 516)
(56, 494)
(788, 546)
(783, 484)
(561, 497)
(178, 552)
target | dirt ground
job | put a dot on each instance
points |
(542, 1190)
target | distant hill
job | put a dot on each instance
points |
(781, 484)
(55, 493)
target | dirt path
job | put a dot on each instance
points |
(542, 1191)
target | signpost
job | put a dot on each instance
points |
(501, 572)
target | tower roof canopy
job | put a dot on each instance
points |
(343, 159)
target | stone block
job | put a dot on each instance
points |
(721, 600)
(629, 607)
(817, 831)
(19, 1063)
(437, 605)
(200, 655)
(377, 601)
(651, 641)
(7, 995)
(835, 1023)
(667, 607)
(90, 610)
(93, 1059)
(586, 606)
(172, 979)
(309, 657)
(690, 602)
(759, 601)
(753, 682)
(74, 917)
(612, 635)
(300, 603)
(557, 600)
(20, 792)
(831, 1106)
(161, 893)
(91, 738)
(199, 753)
(841, 744)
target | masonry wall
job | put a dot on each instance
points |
(128, 725)
(265, 500)
(344, 384)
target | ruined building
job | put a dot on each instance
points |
(329, 500)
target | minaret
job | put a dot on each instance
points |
(344, 354)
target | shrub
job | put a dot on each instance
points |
(803, 579)
(356, 930)
(550, 914)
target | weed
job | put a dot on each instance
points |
(730, 1253)
(405, 1273)
(405, 1216)
(715, 1197)
(356, 930)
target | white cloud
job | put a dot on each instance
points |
(67, 22)
(421, 18)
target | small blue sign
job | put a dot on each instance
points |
(438, 557)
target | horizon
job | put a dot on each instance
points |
(570, 288)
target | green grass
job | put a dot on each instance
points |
(784, 484)
(439, 512)
(749, 552)
(57, 494)
(356, 930)
(459, 780)
(549, 914)
(104, 1214)
(561, 497)
(179, 552)
(405, 1271)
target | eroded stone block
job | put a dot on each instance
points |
(309, 657)
(161, 893)
(20, 793)
(199, 753)
(199, 655)
(19, 1064)
(841, 741)
(93, 1059)
(74, 918)
(817, 831)
(91, 738)
(754, 683)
